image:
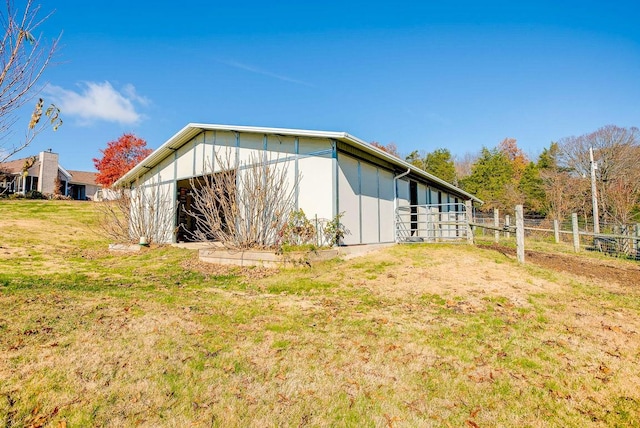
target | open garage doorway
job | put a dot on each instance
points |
(191, 222)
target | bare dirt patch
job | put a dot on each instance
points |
(603, 271)
(453, 272)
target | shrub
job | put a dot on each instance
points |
(298, 230)
(34, 194)
(57, 197)
(334, 230)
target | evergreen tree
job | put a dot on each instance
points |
(440, 163)
(491, 179)
(415, 159)
(532, 188)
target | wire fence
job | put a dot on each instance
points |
(614, 240)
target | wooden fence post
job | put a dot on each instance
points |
(520, 233)
(468, 205)
(496, 223)
(556, 230)
(576, 232)
(507, 223)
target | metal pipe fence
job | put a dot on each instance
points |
(432, 223)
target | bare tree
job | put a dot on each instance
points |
(565, 193)
(23, 59)
(623, 196)
(243, 205)
(141, 212)
(464, 165)
(617, 153)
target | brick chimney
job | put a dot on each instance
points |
(48, 171)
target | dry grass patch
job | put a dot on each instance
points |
(408, 336)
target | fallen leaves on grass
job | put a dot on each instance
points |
(213, 269)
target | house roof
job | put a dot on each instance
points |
(193, 129)
(83, 177)
(15, 167)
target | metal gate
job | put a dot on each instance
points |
(431, 223)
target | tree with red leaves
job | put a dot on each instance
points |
(119, 157)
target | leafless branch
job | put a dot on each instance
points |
(140, 212)
(23, 60)
(243, 205)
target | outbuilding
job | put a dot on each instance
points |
(381, 198)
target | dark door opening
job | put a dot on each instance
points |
(191, 223)
(413, 201)
(77, 192)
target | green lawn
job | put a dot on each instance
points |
(411, 336)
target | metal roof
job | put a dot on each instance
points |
(193, 129)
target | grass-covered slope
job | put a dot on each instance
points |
(410, 336)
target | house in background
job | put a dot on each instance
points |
(381, 198)
(40, 173)
(83, 186)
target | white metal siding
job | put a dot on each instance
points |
(385, 180)
(434, 196)
(281, 144)
(167, 169)
(251, 147)
(315, 191)
(349, 199)
(403, 192)
(199, 153)
(186, 157)
(313, 145)
(166, 202)
(369, 203)
(422, 194)
(366, 197)
(402, 187)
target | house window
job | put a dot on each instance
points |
(32, 184)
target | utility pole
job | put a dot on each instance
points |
(594, 193)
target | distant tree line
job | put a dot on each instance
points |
(556, 183)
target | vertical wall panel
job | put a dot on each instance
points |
(316, 186)
(224, 147)
(369, 203)
(422, 194)
(281, 144)
(403, 192)
(251, 148)
(387, 216)
(348, 197)
(404, 215)
(186, 156)
(200, 155)
(313, 145)
(421, 210)
(166, 205)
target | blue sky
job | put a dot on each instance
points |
(423, 75)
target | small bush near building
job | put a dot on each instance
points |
(34, 194)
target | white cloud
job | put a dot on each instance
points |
(98, 101)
